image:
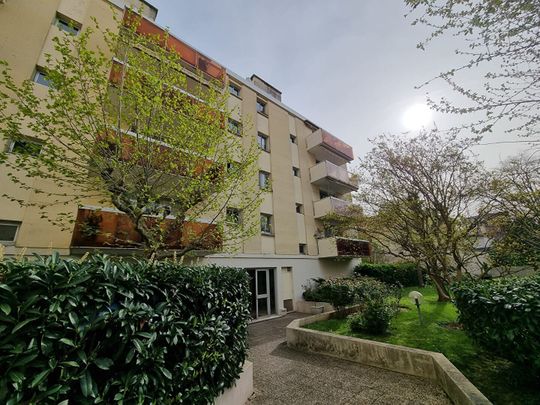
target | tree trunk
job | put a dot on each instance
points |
(442, 291)
(420, 275)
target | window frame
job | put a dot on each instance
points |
(17, 225)
(238, 89)
(40, 77)
(238, 126)
(67, 25)
(266, 141)
(237, 216)
(264, 105)
(268, 181)
(269, 221)
(13, 142)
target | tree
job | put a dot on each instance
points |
(423, 202)
(136, 132)
(503, 38)
(515, 195)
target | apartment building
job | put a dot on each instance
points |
(306, 164)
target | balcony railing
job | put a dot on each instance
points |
(107, 228)
(330, 205)
(332, 179)
(325, 146)
(343, 247)
(193, 58)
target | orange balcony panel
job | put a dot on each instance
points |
(104, 228)
(187, 53)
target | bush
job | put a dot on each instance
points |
(374, 318)
(503, 315)
(108, 330)
(406, 274)
(343, 292)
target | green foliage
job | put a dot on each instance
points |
(504, 316)
(106, 331)
(374, 318)
(343, 292)
(405, 274)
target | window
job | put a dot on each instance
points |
(263, 142)
(296, 171)
(293, 138)
(302, 249)
(266, 223)
(233, 215)
(234, 127)
(25, 147)
(234, 89)
(264, 180)
(67, 26)
(40, 77)
(8, 231)
(299, 208)
(261, 106)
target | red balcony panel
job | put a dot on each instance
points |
(95, 228)
(187, 53)
(337, 144)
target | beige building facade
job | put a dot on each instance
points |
(305, 165)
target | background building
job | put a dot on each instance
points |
(303, 168)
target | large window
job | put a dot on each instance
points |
(8, 231)
(263, 141)
(264, 180)
(266, 224)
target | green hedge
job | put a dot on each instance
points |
(504, 316)
(107, 330)
(405, 274)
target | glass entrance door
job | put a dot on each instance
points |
(262, 292)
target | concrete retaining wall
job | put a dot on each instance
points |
(421, 363)
(307, 307)
(242, 390)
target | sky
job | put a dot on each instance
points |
(350, 66)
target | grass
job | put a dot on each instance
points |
(502, 381)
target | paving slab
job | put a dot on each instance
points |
(286, 376)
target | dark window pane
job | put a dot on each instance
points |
(8, 231)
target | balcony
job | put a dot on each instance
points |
(325, 146)
(107, 228)
(329, 205)
(195, 60)
(343, 248)
(332, 179)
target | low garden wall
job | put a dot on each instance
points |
(421, 363)
(242, 389)
(313, 307)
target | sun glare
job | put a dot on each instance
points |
(416, 116)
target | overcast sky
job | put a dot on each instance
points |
(350, 66)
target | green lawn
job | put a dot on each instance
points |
(500, 380)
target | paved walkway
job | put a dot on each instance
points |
(287, 376)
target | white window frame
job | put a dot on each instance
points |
(270, 223)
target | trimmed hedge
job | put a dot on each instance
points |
(108, 330)
(405, 274)
(503, 315)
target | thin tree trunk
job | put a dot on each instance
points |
(442, 291)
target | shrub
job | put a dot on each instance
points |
(374, 318)
(406, 274)
(503, 315)
(108, 330)
(343, 292)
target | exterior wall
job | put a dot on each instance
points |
(304, 268)
(24, 51)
